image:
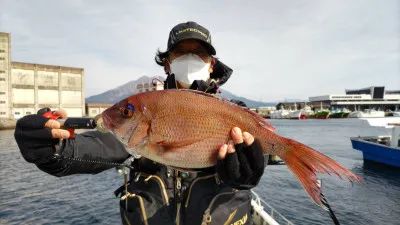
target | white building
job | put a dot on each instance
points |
(5, 68)
(36, 86)
(151, 86)
(94, 109)
(365, 98)
(29, 87)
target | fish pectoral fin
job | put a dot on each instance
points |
(177, 144)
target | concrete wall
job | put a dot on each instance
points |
(151, 86)
(22, 77)
(35, 86)
(47, 78)
(71, 97)
(70, 81)
(20, 112)
(48, 97)
(74, 112)
(23, 96)
(5, 65)
(93, 110)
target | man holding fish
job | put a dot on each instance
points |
(168, 185)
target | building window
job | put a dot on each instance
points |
(2, 93)
(2, 102)
(2, 79)
(2, 113)
(28, 113)
(93, 111)
(2, 71)
(16, 113)
(2, 58)
(2, 51)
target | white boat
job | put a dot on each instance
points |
(302, 113)
(307, 111)
(295, 115)
(261, 217)
(279, 114)
(368, 113)
(394, 113)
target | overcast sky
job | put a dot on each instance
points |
(277, 49)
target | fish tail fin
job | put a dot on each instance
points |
(304, 162)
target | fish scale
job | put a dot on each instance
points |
(185, 129)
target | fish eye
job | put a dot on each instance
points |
(127, 111)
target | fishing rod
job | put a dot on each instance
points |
(70, 123)
(328, 207)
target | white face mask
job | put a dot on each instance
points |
(188, 68)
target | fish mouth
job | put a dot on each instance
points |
(123, 134)
(104, 123)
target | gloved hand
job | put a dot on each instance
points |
(37, 136)
(240, 162)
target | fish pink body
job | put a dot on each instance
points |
(185, 129)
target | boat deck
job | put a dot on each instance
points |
(383, 140)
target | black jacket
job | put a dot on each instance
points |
(156, 194)
(152, 196)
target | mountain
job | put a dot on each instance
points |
(128, 89)
(294, 100)
(250, 103)
(121, 92)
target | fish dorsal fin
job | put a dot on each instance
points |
(202, 93)
(259, 118)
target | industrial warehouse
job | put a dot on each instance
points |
(26, 87)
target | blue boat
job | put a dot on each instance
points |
(380, 149)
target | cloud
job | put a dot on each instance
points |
(278, 49)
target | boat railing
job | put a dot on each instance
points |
(273, 213)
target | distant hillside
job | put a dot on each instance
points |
(294, 100)
(123, 91)
(250, 103)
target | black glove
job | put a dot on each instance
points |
(34, 140)
(243, 168)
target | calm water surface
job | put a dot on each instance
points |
(29, 196)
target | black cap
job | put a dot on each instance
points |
(190, 30)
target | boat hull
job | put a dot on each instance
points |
(377, 152)
(295, 115)
(373, 114)
(339, 115)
